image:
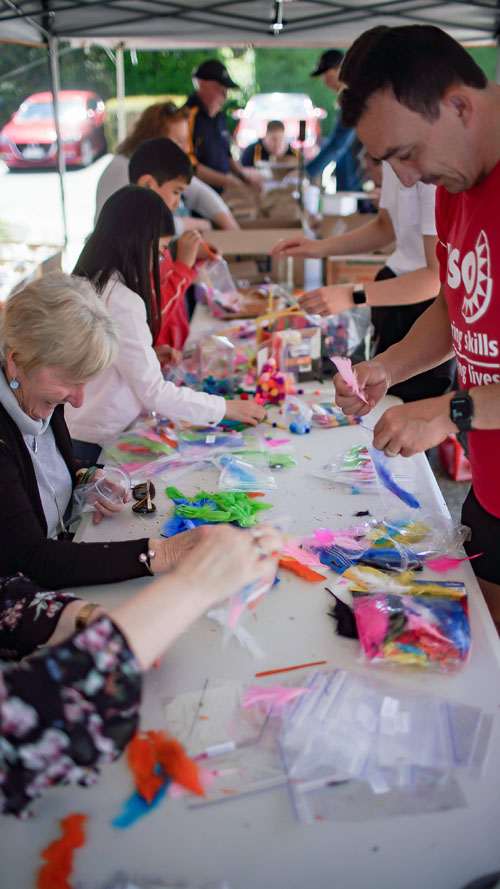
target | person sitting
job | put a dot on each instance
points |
(122, 259)
(160, 165)
(165, 119)
(76, 704)
(273, 147)
(403, 289)
(56, 335)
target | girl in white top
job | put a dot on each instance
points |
(120, 258)
(166, 120)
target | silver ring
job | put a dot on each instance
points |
(389, 453)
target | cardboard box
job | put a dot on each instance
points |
(255, 245)
(356, 269)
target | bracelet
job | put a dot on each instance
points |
(87, 475)
(83, 616)
(145, 559)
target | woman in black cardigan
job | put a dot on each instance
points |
(56, 337)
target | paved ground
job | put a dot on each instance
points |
(30, 205)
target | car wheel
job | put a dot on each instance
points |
(86, 152)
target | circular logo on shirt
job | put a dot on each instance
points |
(477, 281)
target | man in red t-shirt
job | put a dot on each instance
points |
(419, 101)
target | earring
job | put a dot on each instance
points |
(14, 384)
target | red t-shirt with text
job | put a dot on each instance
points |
(468, 228)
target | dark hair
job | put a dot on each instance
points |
(275, 125)
(162, 159)
(150, 124)
(125, 237)
(418, 62)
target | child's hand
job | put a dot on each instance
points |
(187, 247)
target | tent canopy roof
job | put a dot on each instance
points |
(155, 24)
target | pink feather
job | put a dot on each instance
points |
(274, 698)
(344, 367)
(444, 563)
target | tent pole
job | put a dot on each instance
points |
(120, 92)
(55, 86)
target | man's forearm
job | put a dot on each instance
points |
(372, 236)
(426, 345)
(225, 220)
(212, 177)
(405, 290)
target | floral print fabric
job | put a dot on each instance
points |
(63, 709)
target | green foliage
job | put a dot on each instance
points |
(486, 58)
(168, 73)
(288, 70)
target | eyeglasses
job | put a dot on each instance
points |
(144, 493)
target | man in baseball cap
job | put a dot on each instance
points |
(209, 140)
(338, 146)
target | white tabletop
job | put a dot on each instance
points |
(255, 843)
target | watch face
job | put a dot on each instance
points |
(461, 411)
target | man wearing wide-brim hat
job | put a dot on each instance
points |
(209, 140)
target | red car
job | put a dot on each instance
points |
(290, 108)
(29, 139)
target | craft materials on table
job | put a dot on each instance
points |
(59, 854)
(351, 728)
(157, 763)
(205, 508)
(298, 415)
(353, 469)
(348, 374)
(423, 631)
(328, 415)
(272, 385)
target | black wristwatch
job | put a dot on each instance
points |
(359, 295)
(462, 410)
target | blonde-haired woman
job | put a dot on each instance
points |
(164, 119)
(57, 336)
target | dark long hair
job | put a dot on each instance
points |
(124, 240)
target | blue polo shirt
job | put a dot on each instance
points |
(208, 137)
(257, 151)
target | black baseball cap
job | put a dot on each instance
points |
(215, 70)
(332, 58)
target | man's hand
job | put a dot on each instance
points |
(187, 247)
(252, 178)
(407, 429)
(373, 381)
(327, 300)
(298, 246)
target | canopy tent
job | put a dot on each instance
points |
(194, 23)
(160, 24)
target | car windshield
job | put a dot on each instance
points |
(279, 105)
(45, 111)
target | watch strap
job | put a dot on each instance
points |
(83, 616)
(462, 410)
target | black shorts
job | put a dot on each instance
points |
(485, 539)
